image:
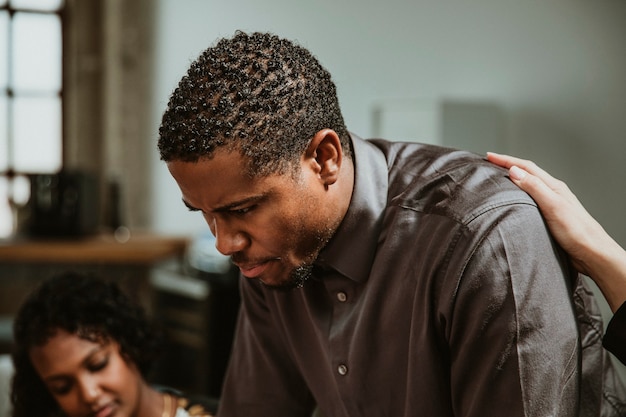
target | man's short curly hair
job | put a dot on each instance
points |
(92, 308)
(261, 95)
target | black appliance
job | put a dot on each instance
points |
(63, 204)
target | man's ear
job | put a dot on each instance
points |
(325, 155)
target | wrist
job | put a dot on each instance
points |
(607, 267)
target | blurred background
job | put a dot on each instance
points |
(546, 78)
(83, 84)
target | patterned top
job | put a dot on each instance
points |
(187, 408)
(190, 406)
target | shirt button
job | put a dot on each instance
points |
(342, 297)
(342, 369)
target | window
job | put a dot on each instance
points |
(30, 99)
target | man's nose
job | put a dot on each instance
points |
(228, 240)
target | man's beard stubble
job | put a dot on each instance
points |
(297, 278)
(303, 272)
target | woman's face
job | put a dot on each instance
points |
(88, 378)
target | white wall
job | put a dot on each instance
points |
(556, 68)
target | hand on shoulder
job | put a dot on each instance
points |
(593, 252)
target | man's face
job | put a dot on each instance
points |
(272, 227)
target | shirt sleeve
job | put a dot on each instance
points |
(513, 337)
(262, 379)
(615, 337)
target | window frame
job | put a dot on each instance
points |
(15, 180)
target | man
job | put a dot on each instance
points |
(378, 278)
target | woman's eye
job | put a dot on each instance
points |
(98, 365)
(60, 389)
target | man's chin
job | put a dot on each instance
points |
(296, 279)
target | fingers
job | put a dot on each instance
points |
(530, 167)
(508, 161)
(550, 193)
(541, 192)
(517, 174)
(505, 161)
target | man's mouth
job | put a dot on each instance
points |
(253, 270)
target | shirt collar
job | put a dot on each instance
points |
(352, 249)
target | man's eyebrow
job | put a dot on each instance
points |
(230, 206)
(189, 206)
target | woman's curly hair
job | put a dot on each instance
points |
(92, 308)
(261, 95)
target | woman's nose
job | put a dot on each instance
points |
(89, 390)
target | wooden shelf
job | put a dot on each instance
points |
(139, 249)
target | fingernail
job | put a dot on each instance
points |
(517, 173)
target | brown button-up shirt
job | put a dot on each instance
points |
(441, 294)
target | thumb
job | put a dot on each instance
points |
(534, 186)
(517, 174)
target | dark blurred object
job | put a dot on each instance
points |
(113, 212)
(198, 311)
(63, 204)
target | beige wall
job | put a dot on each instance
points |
(108, 94)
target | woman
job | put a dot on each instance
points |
(593, 252)
(82, 348)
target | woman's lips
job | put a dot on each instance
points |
(105, 411)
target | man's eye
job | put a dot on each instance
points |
(242, 210)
